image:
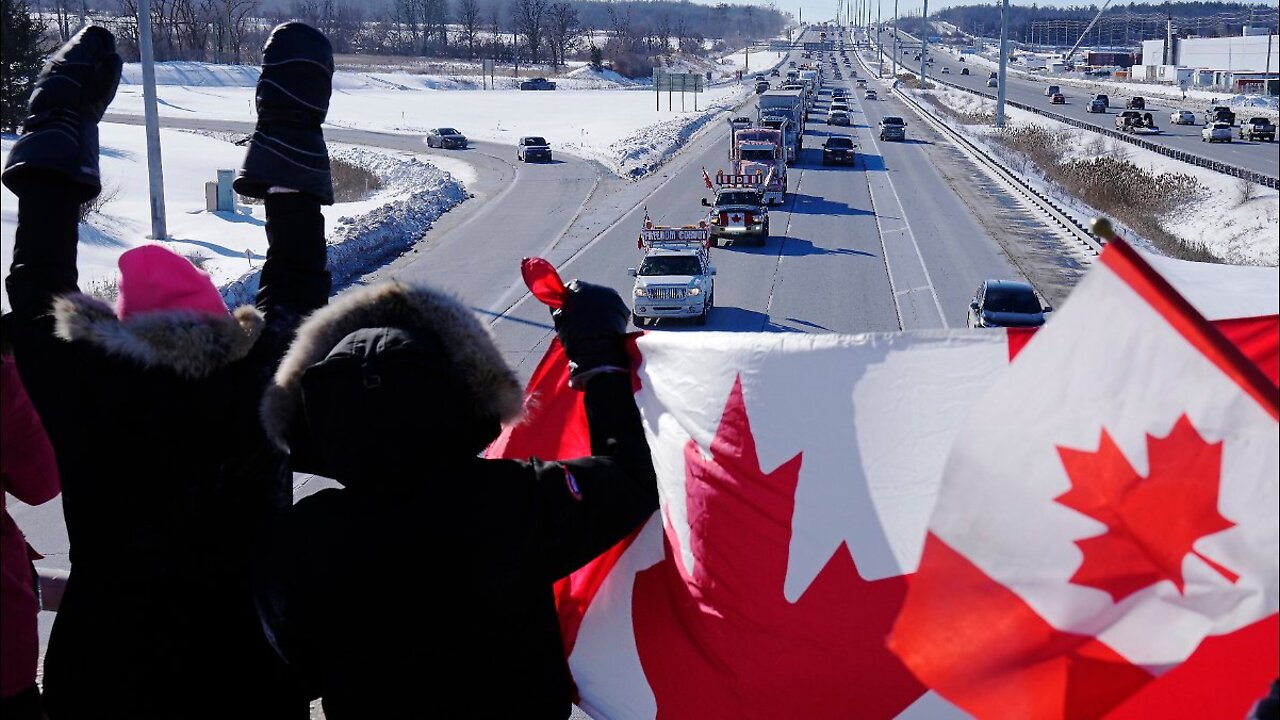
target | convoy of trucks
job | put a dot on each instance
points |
(784, 110)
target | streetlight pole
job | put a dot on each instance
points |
(924, 41)
(155, 170)
(879, 41)
(895, 40)
(1004, 62)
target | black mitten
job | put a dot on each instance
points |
(60, 134)
(592, 325)
(287, 148)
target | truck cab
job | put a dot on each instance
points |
(738, 212)
(676, 278)
(760, 152)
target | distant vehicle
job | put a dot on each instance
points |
(1006, 303)
(1057, 99)
(761, 86)
(837, 93)
(775, 73)
(838, 117)
(893, 127)
(1216, 132)
(961, 60)
(1102, 98)
(1258, 128)
(537, 84)
(964, 71)
(992, 82)
(1052, 90)
(946, 70)
(839, 105)
(1182, 117)
(531, 148)
(791, 63)
(1137, 102)
(869, 95)
(994, 75)
(1137, 122)
(446, 138)
(838, 150)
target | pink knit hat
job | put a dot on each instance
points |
(153, 277)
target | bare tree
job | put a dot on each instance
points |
(662, 30)
(564, 28)
(469, 24)
(530, 17)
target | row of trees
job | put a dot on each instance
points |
(629, 33)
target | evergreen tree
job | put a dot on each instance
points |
(597, 56)
(21, 58)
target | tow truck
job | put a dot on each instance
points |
(676, 278)
(739, 210)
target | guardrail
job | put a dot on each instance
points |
(1184, 156)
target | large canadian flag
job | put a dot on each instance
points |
(1108, 512)
(797, 476)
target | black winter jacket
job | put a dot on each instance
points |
(168, 479)
(423, 587)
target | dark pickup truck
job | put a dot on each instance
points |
(1219, 113)
(537, 84)
(1258, 128)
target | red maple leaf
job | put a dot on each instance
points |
(1152, 522)
(723, 642)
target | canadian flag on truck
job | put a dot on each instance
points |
(797, 475)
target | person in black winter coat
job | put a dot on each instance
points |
(168, 479)
(423, 586)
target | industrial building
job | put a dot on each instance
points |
(1243, 63)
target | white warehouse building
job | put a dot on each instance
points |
(1223, 61)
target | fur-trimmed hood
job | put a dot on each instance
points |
(192, 344)
(491, 383)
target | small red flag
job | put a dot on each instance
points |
(543, 281)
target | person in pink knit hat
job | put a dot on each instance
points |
(168, 479)
(29, 472)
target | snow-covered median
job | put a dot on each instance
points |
(597, 116)
(1233, 219)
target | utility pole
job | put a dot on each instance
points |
(879, 41)
(1004, 62)
(155, 171)
(895, 39)
(924, 41)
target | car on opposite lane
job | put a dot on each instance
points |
(1006, 303)
(992, 82)
(533, 147)
(839, 150)
(1182, 117)
(446, 138)
(964, 71)
(946, 70)
(1057, 99)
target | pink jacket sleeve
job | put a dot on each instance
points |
(27, 464)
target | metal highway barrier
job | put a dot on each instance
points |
(1184, 156)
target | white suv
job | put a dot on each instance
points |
(673, 283)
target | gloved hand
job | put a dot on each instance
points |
(60, 133)
(592, 326)
(292, 98)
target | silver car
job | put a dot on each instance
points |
(1216, 132)
(1182, 117)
